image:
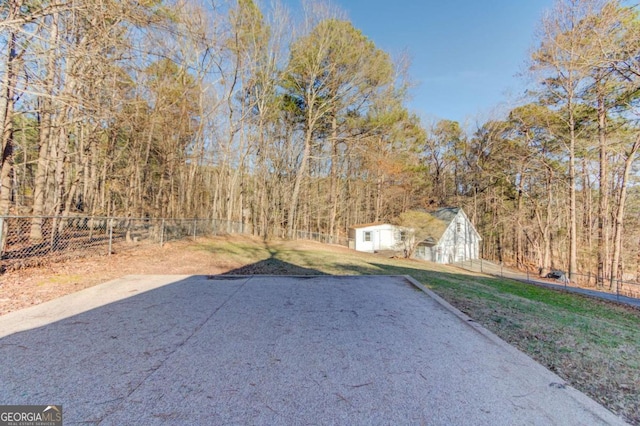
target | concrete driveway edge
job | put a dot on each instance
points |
(597, 409)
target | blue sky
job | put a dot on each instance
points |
(465, 53)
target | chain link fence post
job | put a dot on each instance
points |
(2, 236)
(52, 238)
(110, 236)
(162, 233)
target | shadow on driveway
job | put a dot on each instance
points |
(273, 350)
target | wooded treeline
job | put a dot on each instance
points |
(236, 110)
(571, 195)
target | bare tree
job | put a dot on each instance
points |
(331, 70)
(563, 73)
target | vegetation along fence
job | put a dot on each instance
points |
(27, 241)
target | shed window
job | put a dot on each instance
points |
(367, 236)
(403, 235)
(458, 226)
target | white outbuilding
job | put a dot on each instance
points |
(372, 237)
(452, 238)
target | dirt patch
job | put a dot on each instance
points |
(31, 286)
(229, 254)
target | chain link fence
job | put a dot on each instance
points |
(321, 238)
(27, 241)
(584, 283)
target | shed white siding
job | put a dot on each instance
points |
(459, 242)
(375, 237)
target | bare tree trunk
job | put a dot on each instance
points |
(546, 258)
(378, 209)
(603, 203)
(7, 109)
(60, 171)
(638, 263)
(302, 170)
(519, 232)
(39, 193)
(587, 213)
(333, 190)
(616, 266)
(573, 228)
